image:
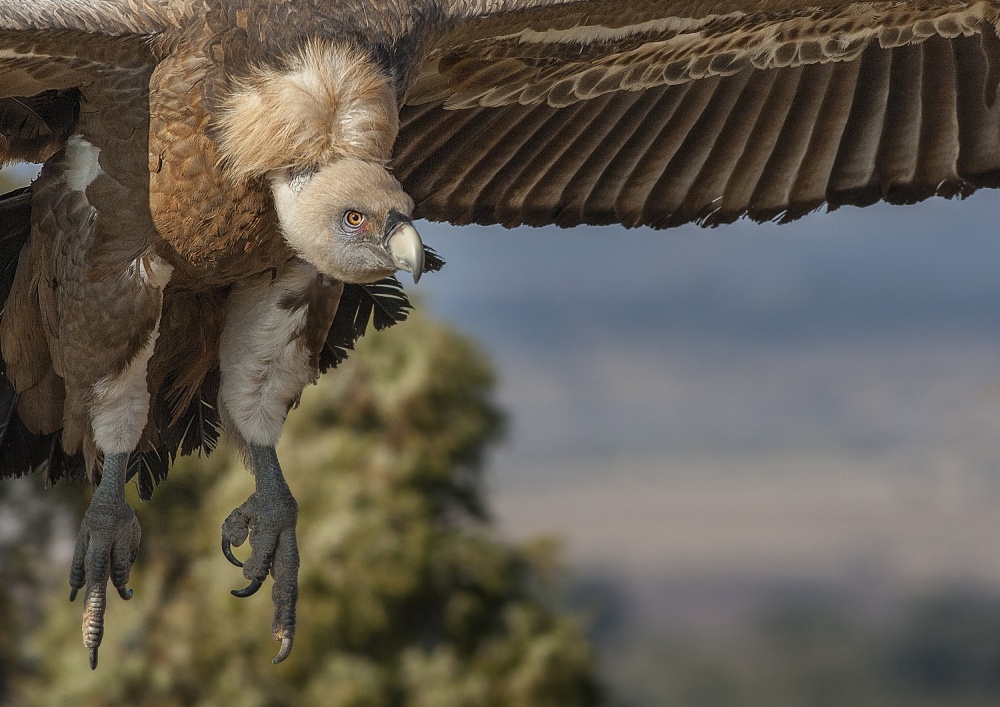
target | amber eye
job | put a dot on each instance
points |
(354, 219)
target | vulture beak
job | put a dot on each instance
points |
(403, 244)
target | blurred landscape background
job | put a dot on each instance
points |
(771, 451)
(768, 453)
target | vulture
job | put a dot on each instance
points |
(228, 187)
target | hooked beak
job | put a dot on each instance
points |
(404, 246)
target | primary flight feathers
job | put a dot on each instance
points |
(595, 112)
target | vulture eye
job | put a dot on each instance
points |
(353, 220)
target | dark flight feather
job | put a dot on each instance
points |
(380, 305)
(148, 469)
(194, 430)
(21, 120)
(34, 127)
(20, 450)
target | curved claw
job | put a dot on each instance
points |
(72, 593)
(227, 550)
(93, 658)
(249, 590)
(286, 648)
(124, 592)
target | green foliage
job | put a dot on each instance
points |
(405, 596)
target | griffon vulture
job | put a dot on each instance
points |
(224, 179)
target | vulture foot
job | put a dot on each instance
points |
(268, 518)
(106, 548)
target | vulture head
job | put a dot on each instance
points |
(319, 129)
(350, 219)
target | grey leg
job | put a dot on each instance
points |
(268, 517)
(106, 547)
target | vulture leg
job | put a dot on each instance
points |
(269, 517)
(268, 353)
(97, 293)
(106, 547)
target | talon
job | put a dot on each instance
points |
(268, 519)
(227, 550)
(106, 547)
(286, 648)
(249, 590)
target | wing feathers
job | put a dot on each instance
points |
(442, 151)
(939, 138)
(665, 201)
(771, 197)
(639, 134)
(107, 17)
(851, 180)
(707, 119)
(650, 166)
(979, 127)
(32, 129)
(704, 200)
(737, 196)
(899, 124)
(817, 165)
(527, 192)
(542, 194)
(896, 161)
(501, 189)
(590, 194)
(487, 160)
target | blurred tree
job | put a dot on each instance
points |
(405, 597)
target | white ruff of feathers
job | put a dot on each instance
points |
(326, 103)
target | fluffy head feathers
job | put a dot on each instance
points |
(327, 102)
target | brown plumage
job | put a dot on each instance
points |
(217, 199)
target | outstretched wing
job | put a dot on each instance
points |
(641, 114)
(50, 48)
